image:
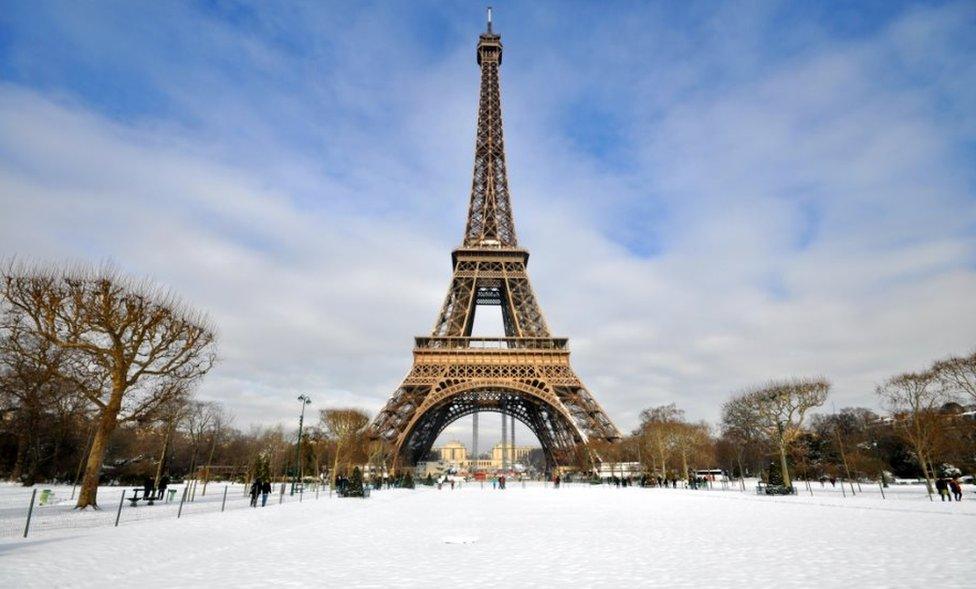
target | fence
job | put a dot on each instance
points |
(32, 511)
(902, 490)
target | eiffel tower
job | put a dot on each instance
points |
(526, 374)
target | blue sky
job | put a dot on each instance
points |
(713, 194)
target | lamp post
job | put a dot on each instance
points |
(298, 452)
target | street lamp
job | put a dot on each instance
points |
(304, 400)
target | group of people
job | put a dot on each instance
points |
(262, 489)
(446, 480)
(949, 489)
(498, 483)
(150, 490)
(659, 481)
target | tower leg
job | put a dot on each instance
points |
(512, 445)
(504, 440)
(474, 439)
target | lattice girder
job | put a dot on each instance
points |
(490, 213)
(490, 277)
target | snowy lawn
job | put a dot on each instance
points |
(574, 536)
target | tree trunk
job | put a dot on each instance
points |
(206, 476)
(161, 467)
(35, 458)
(23, 440)
(106, 425)
(787, 481)
(193, 461)
(927, 471)
(847, 468)
(335, 464)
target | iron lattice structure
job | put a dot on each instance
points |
(525, 374)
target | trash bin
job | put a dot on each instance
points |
(170, 493)
(46, 496)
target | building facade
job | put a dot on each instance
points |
(453, 458)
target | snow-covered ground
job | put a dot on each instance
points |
(534, 536)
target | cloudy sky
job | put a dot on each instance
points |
(712, 195)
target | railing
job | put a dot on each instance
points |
(26, 511)
(493, 343)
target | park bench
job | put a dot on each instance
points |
(137, 497)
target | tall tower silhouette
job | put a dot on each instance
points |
(525, 374)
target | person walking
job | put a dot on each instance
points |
(265, 491)
(942, 486)
(255, 490)
(147, 488)
(956, 488)
(163, 483)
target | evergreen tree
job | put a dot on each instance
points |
(408, 481)
(262, 467)
(774, 474)
(430, 480)
(355, 488)
(774, 480)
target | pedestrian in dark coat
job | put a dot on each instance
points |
(265, 491)
(255, 490)
(147, 488)
(163, 483)
(942, 486)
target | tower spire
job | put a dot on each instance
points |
(490, 222)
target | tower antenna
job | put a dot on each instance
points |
(489, 19)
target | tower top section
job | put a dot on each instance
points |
(489, 44)
(490, 223)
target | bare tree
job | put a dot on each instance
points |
(344, 427)
(170, 416)
(849, 435)
(694, 443)
(137, 337)
(322, 448)
(659, 431)
(914, 400)
(220, 421)
(742, 430)
(198, 417)
(778, 409)
(30, 382)
(958, 375)
(380, 452)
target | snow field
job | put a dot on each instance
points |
(524, 537)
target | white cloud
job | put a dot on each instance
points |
(812, 215)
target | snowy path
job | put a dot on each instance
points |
(522, 537)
